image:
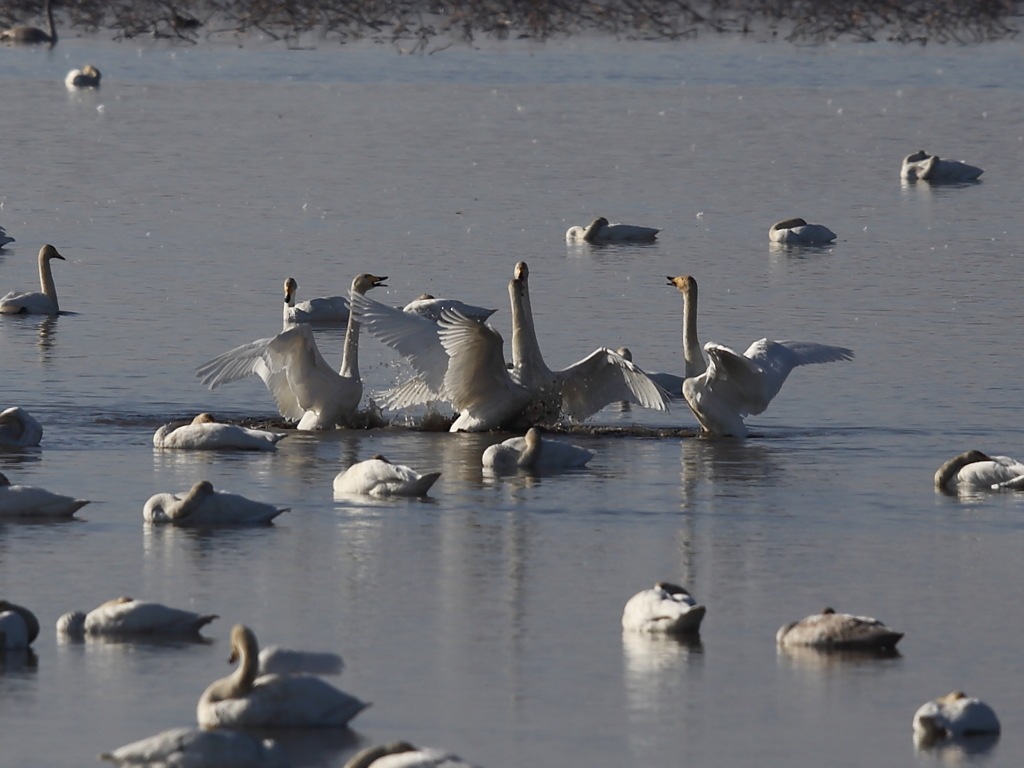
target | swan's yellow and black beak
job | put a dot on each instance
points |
(378, 282)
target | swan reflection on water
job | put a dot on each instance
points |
(654, 667)
(811, 658)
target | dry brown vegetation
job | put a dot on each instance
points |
(412, 23)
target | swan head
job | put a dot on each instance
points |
(48, 252)
(72, 624)
(364, 758)
(625, 353)
(379, 457)
(686, 284)
(3, 480)
(290, 287)
(204, 418)
(243, 643)
(425, 297)
(827, 610)
(201, 490)
(365, 282)
(521, 272)
(91, 71)
(916, 157)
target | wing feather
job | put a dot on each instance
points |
(605, 377)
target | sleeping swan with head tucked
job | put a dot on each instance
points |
(18, 429)
(206, 434)
(123, 616)
(29, 502)
(379, 477)
(600, 232)
(202, 506)
(534, 452)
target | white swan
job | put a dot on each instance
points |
(600, 232)
(326, 309)
(32, 303)
(201, 506)
(402, 754)
(379, 477)
(831, 630)
(461, 360)
(25, 35)
(429, 307)
(304, 386)
(29, 502)
(730, 386)
(18, 429)
(124, 616)
(18, 626)
(974, 470)
(672, 384)
(86, 77)
(275, 660)
(245, 700)
(921, 166)
(4, 238)
(665, 608)
(954, 716)
(799, 232)
(205, 433)
(534, 452)
(198, 748)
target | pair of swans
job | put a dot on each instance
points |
(799, 232)
(26, 35)
(829, 630)
(461, 360)
(977, 471)
(535, 453)
(205, 433)
(202, 506)
(402, 754)
(666, 608)
(32, 303)
(953, 716)
(125, 617)
(86, 77)
(18, 626)
(730, 386)
(379, 477)
(26, 502)
(920, 166)
(305, 388)
(19, 429)
(600, 232)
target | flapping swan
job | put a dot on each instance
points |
(379, 477)
(198, 748)
(402, 754)
(18, 429)
(672, 384)
(86, 77)
(206, 434)
(327, 309)
(124, 616)
(831, 630)
(461, 360)
(799, 232)
(600, 232)
(429, 307)
(921, 166)
(954, 716)
(18, 626)
(203, 506)
(275, 660)
(29, 502)
(25, 35)
(974, 470)
(245, 700)
(4, 239)
(304, 386)
(534, 452)
(31, 303)
(666, 608)
(730, 386)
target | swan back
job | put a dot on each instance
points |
(203, 506)
(666, 608)
(199, 748)
(27, 617)
(379, 477)
(125, 616)
(920, 166)
(5, 238)
(402, 754)
(19, 429)
(534, 452)
(204, 433)
(798, 231)
(284, 661)
(27, 501)
(954, 715)
(831, 630)
(86, 77)
(13, 631)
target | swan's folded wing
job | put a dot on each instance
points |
(605, 377)
(777, 358)
(412, 336)
(736, 380)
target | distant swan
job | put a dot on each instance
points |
(4, 239)
(429, 307)
(245, 700)
(86, 77)
(28, 502)
(124, 616)
(666, 608)
(18, 429)
(202, 506)
(18, 626)
(31, 303)
(730, 386)
(921, 166)
(831, 630)
(205, 433)
(327, 309)
(974, 470)
(402, 754)
(600, 232)
(199, 748)
(379, 477)
(798, 231)
(954, 716)
(274, 660)
(304, 386)
(25, 35)
(534, 452)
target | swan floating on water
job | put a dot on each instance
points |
(954, 716)
(921, 166)
(18, 429)
(305, 388)
(31, 303)
(26, 35)
(534, 452)
(123, 616)
(799, 232)
(199, 748)
(974, 470)
(29, 502)
(600, 232)
(245, 700)
(836, 631)
(4, 239)
(430, 308)
(326, 309)
(86, 77)
(402, 754)
(730, 386)
(205, 433)
(379, 477)
(275, 660)
(18, 626)
(665, 608)
(203, 506)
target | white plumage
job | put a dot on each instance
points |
(600, 232)
(31, 302)
(206, 434)
(954, 716)
(202, 506)
(831, 630)
(379, 477)
(86, 77)
(920, 166)
(124, 616)
(324, 310)
(534, 452)
(18, 429)
(198, 748)
(402, 754)
(665, 608)
(799, 232)
(975, 471)
(28, 502)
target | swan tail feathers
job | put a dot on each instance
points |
(423, 484)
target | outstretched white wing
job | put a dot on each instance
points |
(605, 377)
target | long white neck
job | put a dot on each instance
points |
(531, 453)
(694, 359)
(350, 357)
(526, 356)
(46, 281)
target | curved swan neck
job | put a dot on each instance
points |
(949, 470)
(31, 622)
(245, 650)
(531, 453)
(191, 500)
(526, 354)
(692, 356)
(46, 253)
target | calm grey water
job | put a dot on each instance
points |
(486, 620)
